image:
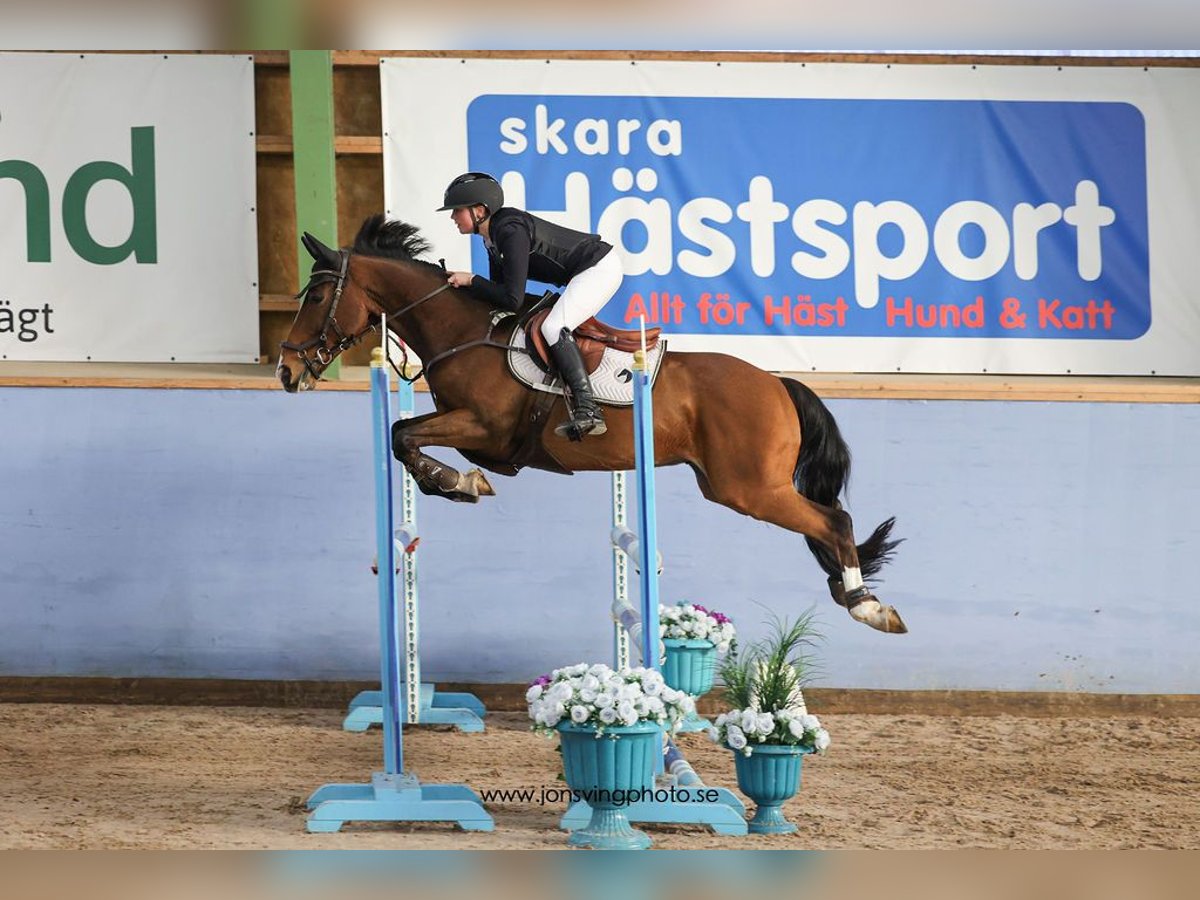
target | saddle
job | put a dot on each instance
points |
(592, 337)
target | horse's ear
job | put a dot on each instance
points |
(318, 251)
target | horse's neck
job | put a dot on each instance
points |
(437, 323)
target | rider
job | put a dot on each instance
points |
(521, 246)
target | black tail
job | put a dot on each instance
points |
(822, 472)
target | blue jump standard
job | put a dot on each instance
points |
(694, 722)
(464, 711)
(685, 805)
(393, 794)
(396, 798)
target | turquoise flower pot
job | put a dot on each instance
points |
(690, 665)
(604, 772)
(769, 776)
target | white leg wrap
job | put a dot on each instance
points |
(851, 579)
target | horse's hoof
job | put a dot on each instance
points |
(895, 625)
(479, 484)
(881, 618)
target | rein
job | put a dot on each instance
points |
(325, 353)
(485, 341)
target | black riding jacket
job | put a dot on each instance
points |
(524, 247)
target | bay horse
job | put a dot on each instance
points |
(762, 445)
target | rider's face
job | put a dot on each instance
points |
(462, 217)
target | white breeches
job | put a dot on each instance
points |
(584, 296)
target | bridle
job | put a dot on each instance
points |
(324, 353)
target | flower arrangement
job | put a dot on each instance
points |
(740, 729)
(600, 696)
(690, 621)
(763, 687)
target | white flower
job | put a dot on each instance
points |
(735, 738)
(796, 729)
(579, 714)
(714, 734)
(764, 723)
(810, 723)
(608, 715)
(559, 691)
(587, 696)
(670, 694)
(822, 740)
(534, 692)
(604, 700)
(629, 691)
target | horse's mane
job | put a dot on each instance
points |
(392, 240)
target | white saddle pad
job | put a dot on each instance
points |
(612, 382)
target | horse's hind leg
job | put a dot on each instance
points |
(776, 500)
(459, 429)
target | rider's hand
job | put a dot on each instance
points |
(460, 279)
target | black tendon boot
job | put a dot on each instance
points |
(586, 417)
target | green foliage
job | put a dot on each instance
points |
(768, 674)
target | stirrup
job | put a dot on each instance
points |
(576, 429)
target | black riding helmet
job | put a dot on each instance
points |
(473, 189)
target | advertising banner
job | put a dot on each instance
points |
(837, 217)
(127, 208)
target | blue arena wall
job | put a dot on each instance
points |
(229, 533)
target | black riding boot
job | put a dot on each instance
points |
(586, 417)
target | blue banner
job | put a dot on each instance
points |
(843, 218)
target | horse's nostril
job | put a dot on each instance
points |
(285, 376)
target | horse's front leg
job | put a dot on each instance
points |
(458, 429)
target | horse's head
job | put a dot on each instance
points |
(334, 314)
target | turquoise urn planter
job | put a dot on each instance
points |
(604, 771)
(690, 665)
(770, 776)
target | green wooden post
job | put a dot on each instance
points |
(312, 150)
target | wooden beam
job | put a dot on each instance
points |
(511, 697)
(343, 144)
(278, 303)
(372, 57)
